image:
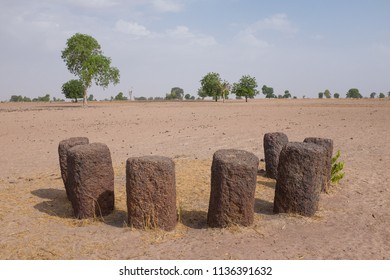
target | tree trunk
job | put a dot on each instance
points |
(246, 98)
(85, 103)
(216, 98)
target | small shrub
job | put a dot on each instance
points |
(337, 168)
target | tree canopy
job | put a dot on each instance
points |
(246, 87)
(176, 93)
(287, 94)
(73, 89)
(268, 92)
(84, 58)
(120, 97)
(354, 93)
(211, 85)
(19, 98)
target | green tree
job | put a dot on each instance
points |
(225, 90)
(73, 89)
(19, 98)
(91, 97)
(120, 97)
(84, 58)
(336, 95)
(45, 98)
(211, 86)
(287, 94)
(372, 95)
(201, 93)
(327, 94)
(381, 95)
(320, 95)
(187, 96)
(177, 92)
(354, 93)
(268, 92)
(246, 87)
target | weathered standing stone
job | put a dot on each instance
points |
(63, 148)
(151, 192)
(328, 145)
(233, 184)
(300, 177)
(90, 180)
(273, 144)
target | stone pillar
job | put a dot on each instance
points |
(233, 185)
(151, 192)
(273, 144)
(63, 148)
(300, 177)
(328, 145)
(90, 180)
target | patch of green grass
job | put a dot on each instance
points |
(337, 168)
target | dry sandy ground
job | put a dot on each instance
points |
(36, 219)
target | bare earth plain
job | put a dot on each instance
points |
(36, 222)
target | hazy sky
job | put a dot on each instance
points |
(303, 46)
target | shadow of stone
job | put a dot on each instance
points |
(194, 219)
(261, 172)
(268, 184)
(117, 218)
(264, 207)
(57, 204)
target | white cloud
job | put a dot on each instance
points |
(260, 33)
(94, 3)
(183, 32)
(278, 22)
(205, 41)
(247, 37)
(167, 5)
(131, 28)
(180, 31)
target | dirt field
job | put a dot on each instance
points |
(36, 219)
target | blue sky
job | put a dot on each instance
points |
(303, 46)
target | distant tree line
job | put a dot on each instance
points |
(45, 98)
(213, 86)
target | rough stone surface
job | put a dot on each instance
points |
(328, 145)
(300, 178)
(273, 144)
(90, 180)
(233, 185)
(63, 148)
(151, 192)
